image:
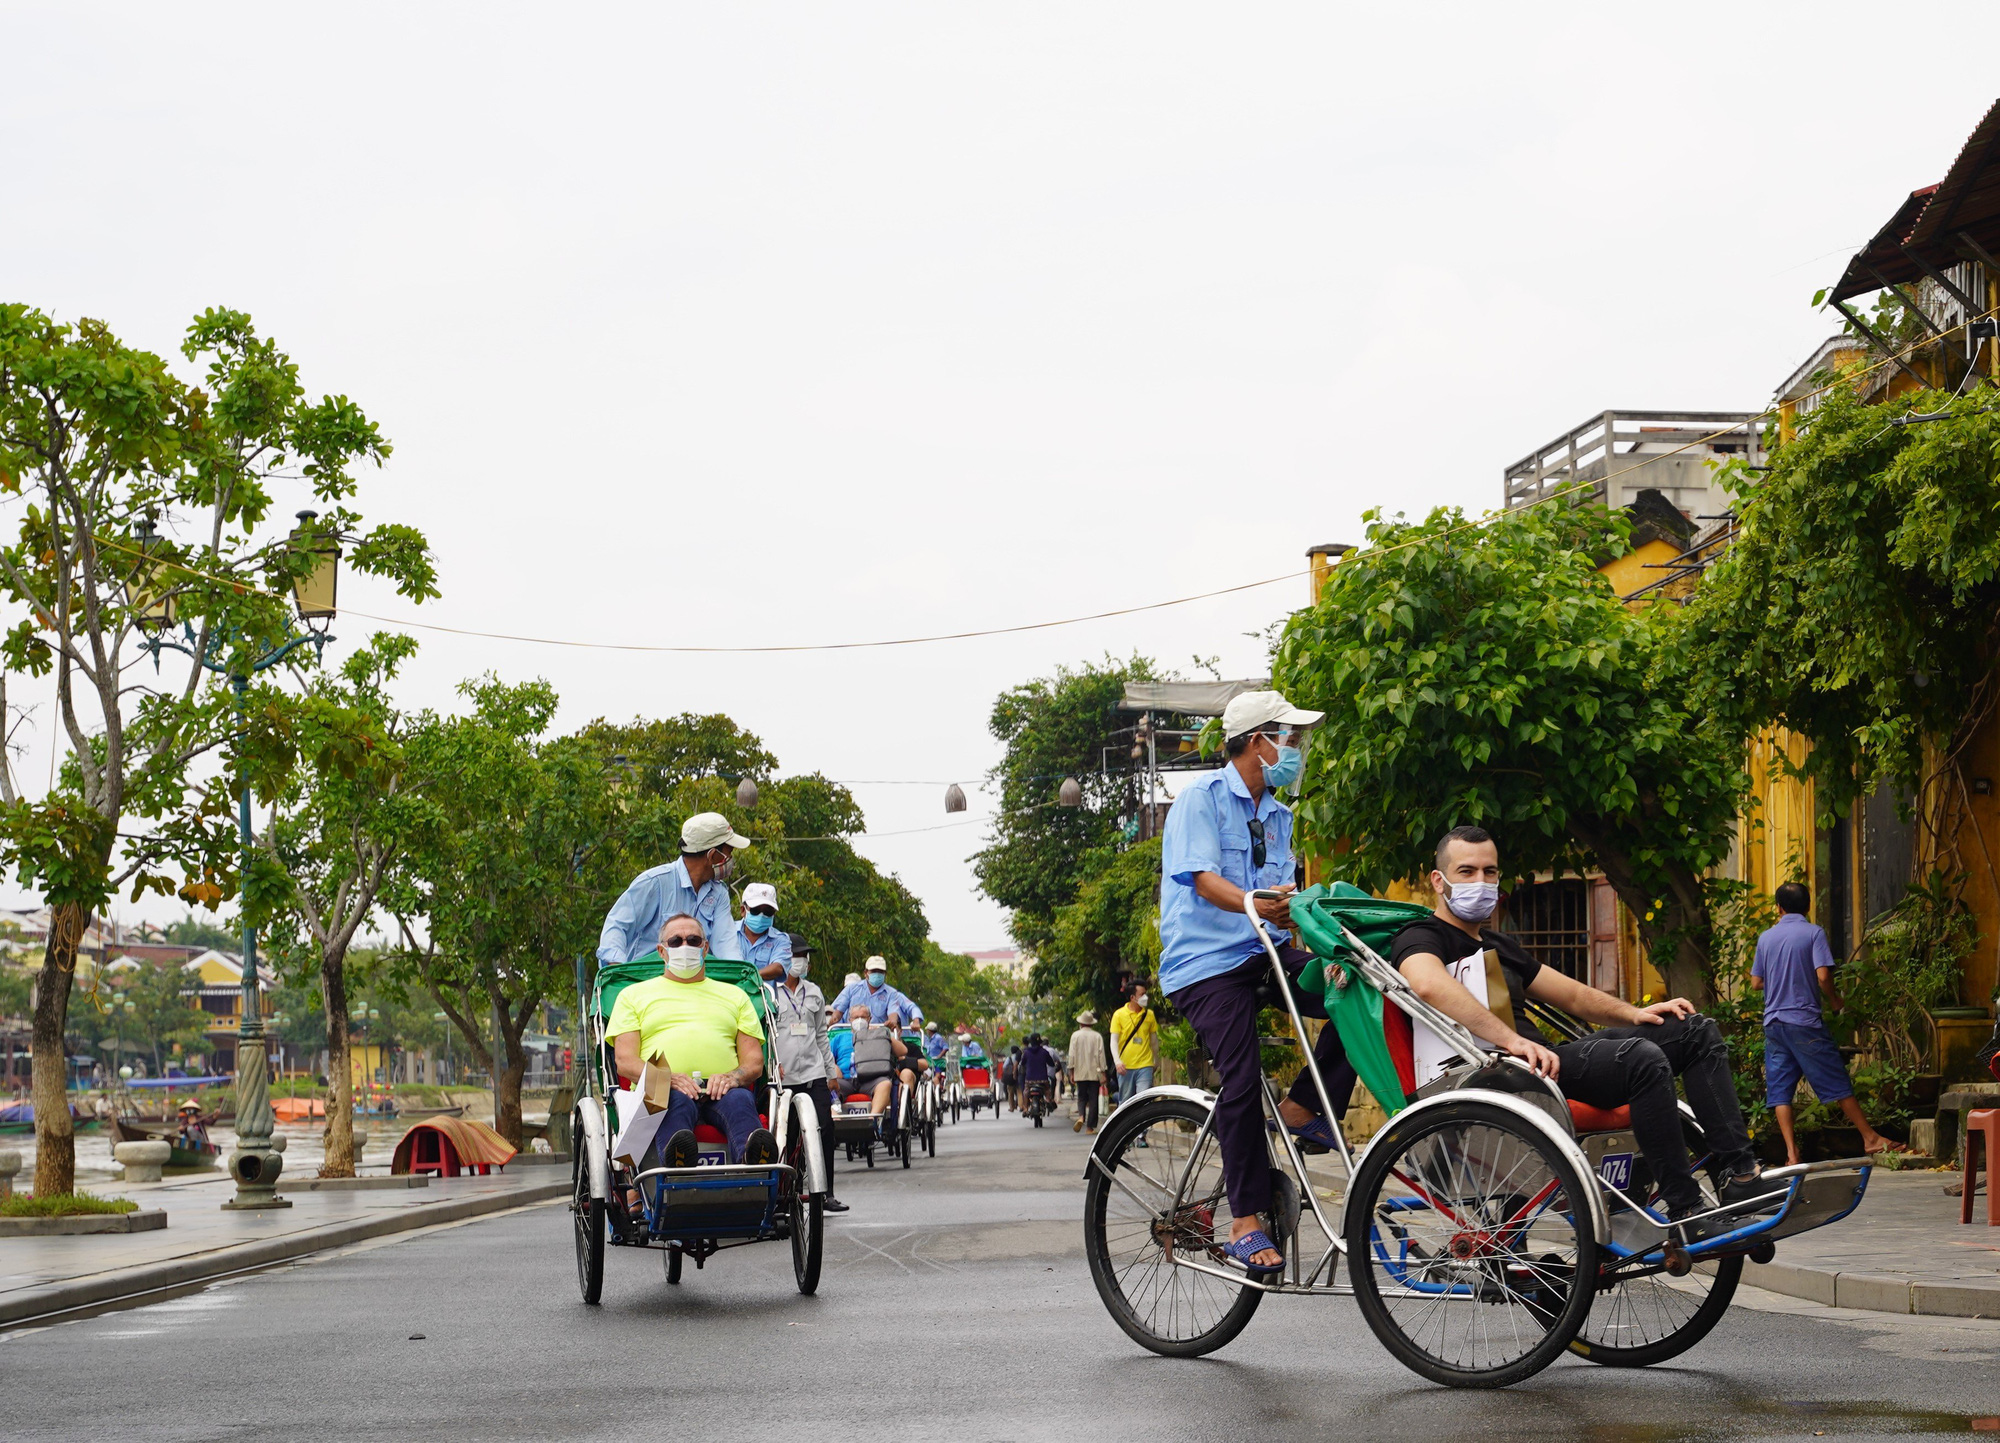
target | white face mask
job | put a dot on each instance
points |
(1472, 901)
(797, 966)
(684, 961)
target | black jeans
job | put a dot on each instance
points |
(822, 1098)
(1636, 1066)
(1086, 1102)
(1223, 1011)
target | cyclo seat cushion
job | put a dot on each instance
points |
(704, 1133)
(1586, 1118)
(860, 1097)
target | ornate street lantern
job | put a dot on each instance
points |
(149, 586)
(316, 589)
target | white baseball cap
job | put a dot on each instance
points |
(760, 894)
(875, 964)
(706, 830)
(1254, 709)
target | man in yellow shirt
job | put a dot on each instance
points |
(706, 1036)
(1135, 1045)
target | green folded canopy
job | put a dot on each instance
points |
(1318, 913)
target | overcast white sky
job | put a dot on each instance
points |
(763, 324)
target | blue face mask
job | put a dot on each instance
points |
(875, 979)
(757, 922)
(1287, 769)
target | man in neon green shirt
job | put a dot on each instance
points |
(706, 1036)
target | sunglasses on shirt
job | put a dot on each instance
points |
(692, 940)
(1257, 849)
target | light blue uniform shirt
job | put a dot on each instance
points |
(761, 952)
(857, 994)
(632, 926)
(1208, 830)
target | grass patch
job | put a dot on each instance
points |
(63, 1205)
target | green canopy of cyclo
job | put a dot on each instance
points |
(1318, 914)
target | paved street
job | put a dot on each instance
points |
(955, 1304)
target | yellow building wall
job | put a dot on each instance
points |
(1775, 834)
(1629, 572)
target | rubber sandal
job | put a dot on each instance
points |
(1317, 1132)
(1248, 1246)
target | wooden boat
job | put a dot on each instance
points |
(128, 1130)
(19, 1118)
(415, 1113)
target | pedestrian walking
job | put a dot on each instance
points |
(1135, 1044)
(1794, 971)
(1086, 1064)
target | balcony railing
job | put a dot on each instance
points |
(1632, 450)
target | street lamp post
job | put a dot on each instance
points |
(254, 1164)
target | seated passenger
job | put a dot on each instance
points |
(879, 1055)
(706, 1035)
(1630, 1061)
(842, 1044)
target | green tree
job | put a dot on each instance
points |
(102, 446)
(511, 884)
(349, 811)
(1112, 928)
(1859, 602)
(1488, 675)
(1057, 727)
(827, 892)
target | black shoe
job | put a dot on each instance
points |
(1736, 1190)
(680, 1150)
(834, 1204)
(1695, 1231)
(762, 1148)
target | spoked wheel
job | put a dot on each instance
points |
(1464, 1244)
(588, 1214)
(1651, 1317)
(1145, 1206)
(808, 1229)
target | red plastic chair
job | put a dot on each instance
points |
(1982, 1134)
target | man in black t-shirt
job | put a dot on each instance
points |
(1632, 1061)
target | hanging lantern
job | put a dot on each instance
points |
(1069, 794)
(954, 798)
(149, 587)
(746, 794)
(317, 588)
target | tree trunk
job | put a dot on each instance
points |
(339, 1070)
(55, 1139)
(511, 1071)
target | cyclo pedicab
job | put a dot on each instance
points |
(978, 1085)
(904, 1126)
(691, 1212)
(1486, 1227)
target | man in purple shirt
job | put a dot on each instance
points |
(1794, 970)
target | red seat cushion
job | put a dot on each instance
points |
(704, 1133)
(1599, 1119)
(860, 1097)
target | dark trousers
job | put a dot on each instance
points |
(1223, 1011)
(822, 1100)
(1635, 1067)
(735, 1113)
(1086, 1102)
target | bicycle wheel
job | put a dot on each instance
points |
(1464, 1245)
(808, 1230)
(588, 1213)
(1155, 1203)
(1651, 1317)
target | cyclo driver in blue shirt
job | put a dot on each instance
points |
(762, 944)
(1227, 834)
(695, 886)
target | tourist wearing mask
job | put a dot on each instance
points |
(763, 945)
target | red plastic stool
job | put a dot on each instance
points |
(1981, 1126)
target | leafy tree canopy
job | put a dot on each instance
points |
(1056, 727)
(1112, 928)
(1858, 603)
(1487, 674)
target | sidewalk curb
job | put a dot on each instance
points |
(28, 1304)
(1875, 1292)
